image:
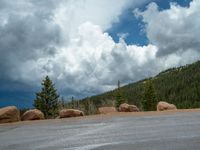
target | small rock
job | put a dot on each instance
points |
(133, 108)
(65, 113)
(124, 107)
(106, 110)
(128, 108)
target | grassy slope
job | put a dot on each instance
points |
(180, 86)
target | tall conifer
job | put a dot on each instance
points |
(47, 99)
(149, 98)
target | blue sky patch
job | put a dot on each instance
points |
(134, 27)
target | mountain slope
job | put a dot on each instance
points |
(180, 86)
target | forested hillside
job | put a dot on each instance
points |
(180, 86)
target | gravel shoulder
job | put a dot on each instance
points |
(109, 115)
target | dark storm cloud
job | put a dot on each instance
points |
(67, 41)
(25, 35)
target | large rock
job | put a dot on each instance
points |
(161, 106)
(106, 110)
(9, 114)
(33, 114)
(128, 108)
(65, 113)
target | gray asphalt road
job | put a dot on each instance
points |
(180, 131)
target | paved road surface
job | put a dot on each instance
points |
(180, 131)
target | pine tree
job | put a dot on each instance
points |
(73, 103)
(61, 102)
(47, 100)
(89, 107)
(149, 99)
(119, 96)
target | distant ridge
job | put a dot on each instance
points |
(180, 86)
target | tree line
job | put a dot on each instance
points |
(180, 86)
(48, 101)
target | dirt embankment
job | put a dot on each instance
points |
(147, 113)
(110, 115)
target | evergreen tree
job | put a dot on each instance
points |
(119, 96)
(149, 99)
(47, 100)
(89, 107)
(61, 103)
(73, 103)
(179, 86)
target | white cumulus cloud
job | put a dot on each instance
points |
(67, 41)
(174, 30)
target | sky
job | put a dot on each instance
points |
(86, 46)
